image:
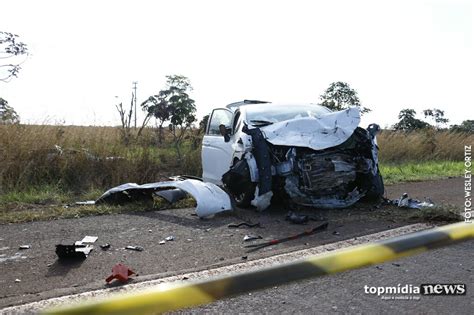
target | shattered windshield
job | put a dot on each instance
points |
(262, 115)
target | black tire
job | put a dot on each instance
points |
(244, 199)
(238, 183)
(377, 188)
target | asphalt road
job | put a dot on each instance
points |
(198, 245)
(344, 293)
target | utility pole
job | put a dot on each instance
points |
(135, 100)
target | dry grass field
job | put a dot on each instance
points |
(39, 162)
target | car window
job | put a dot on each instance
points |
(219, 117)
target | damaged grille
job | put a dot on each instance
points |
(326, 174)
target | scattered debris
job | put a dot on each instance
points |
(135, 248)
(250, 225)
(74, 251)
(85, 203)
(319, 228)
(169, 238)
(262, 202)
(89, 239)
(105, 246)
(252, 237)
(405, 202)
(297, 218)
(25, 247)
(300, 218)
(120, 272)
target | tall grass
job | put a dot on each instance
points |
(424, 145)
(78, 159)
(81, 159)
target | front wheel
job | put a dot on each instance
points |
(237, 181)
(244, 198)
(377, 188)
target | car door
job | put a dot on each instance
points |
(216, 153)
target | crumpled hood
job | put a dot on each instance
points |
(319, 133)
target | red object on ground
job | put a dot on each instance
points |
(120, 272)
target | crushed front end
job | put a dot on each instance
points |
(308, 172)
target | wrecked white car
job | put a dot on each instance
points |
(306, 153)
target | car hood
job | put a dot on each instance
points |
(317, 133)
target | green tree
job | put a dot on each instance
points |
(7, 114)
(158, 106)
(437, 116)
(339, 95)
(182, 108)
(465, 126)
(11, 49)
(408, 122)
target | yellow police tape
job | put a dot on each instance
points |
(166, 298)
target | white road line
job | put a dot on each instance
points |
(35, 307)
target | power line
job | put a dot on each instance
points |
(135, 100)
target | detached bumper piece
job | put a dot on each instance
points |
(210, 198)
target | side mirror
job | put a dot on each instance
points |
(224, 132)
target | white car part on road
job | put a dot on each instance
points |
(210, 198)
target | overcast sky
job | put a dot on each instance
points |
(396, 54)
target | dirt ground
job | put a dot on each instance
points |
(36, 273)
